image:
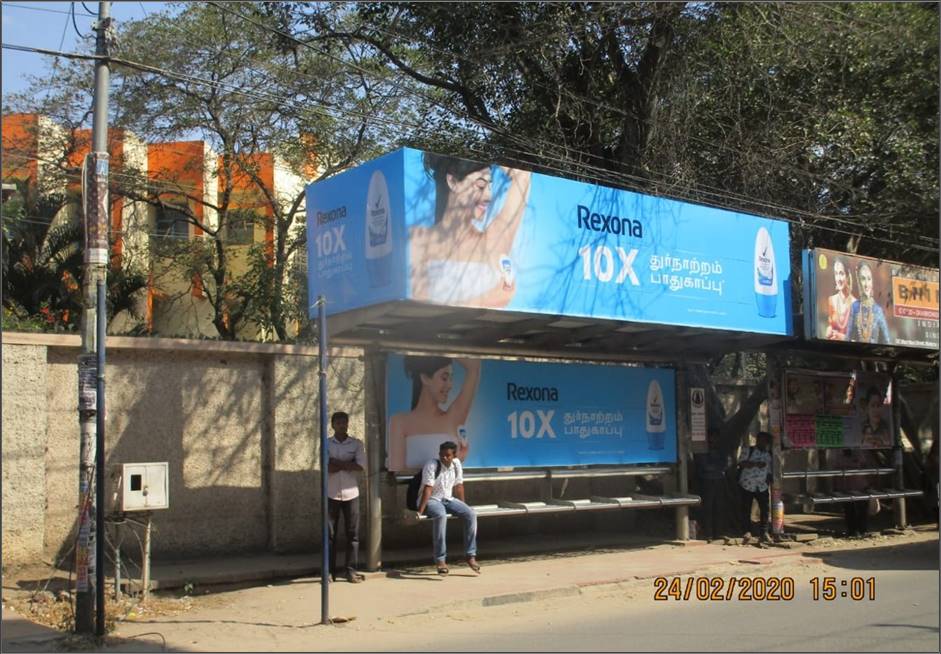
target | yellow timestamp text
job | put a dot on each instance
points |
(854, 588)
(760, 589)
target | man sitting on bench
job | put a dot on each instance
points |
(443, 493)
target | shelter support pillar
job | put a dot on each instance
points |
(901, 514)
(776, 427)
(682, 452)
(374, 399)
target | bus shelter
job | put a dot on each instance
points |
(837, 424)
(564, 312)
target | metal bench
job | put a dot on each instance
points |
(840, 497)
(861, 496)
(559, 505)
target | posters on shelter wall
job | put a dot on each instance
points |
(446, 231)
(837, 410)
(864, 300)
(524, 414)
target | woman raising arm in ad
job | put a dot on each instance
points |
(416, 436)
(462, 259)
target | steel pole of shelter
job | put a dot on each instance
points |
(897, 451)
(324, 465)
(375, 366)
(682, 451)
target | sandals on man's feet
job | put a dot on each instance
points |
(473, 565)
(443, 570)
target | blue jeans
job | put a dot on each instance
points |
(438, 511)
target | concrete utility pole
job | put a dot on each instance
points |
(96, 205)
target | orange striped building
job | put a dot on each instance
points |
(188, 178)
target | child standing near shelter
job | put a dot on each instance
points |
(755, 481)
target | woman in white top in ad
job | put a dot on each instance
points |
(416, 436)
(463, 259)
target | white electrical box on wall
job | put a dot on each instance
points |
(145, 486)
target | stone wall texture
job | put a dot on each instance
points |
(238, 425)
(24, 443)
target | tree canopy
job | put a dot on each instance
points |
(822, 114)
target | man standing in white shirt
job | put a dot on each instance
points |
(347, 457)
(443, 493)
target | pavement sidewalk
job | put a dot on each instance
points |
(293, 601)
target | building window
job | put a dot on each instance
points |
(172, 223)
(240, 227)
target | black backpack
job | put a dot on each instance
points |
(414, 487)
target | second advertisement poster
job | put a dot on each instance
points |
(524, 414)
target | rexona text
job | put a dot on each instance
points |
(598, 222)
(531, 393)
(324, 217)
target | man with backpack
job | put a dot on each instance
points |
(755, 480)
(442, 492)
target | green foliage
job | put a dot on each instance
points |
(43, 265)
(824, 114)
(42, 261)
(265, 94)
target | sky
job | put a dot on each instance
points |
(47, 25)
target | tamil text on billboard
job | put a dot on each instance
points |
(525, 414)
(439, 230)
(864, 300)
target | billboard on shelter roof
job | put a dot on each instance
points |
(525, 414)
(439, 230)
(864, 300)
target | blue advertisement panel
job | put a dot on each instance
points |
(523, 414)
(355, 232)
(483, 236)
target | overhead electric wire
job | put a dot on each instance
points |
(251, 94)
(608, 174)
(798, 224)
(75, 24)
(728, 194)
(622, 111)
(50, 11)
(606, 171)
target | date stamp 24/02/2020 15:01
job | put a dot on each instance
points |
(761, 589)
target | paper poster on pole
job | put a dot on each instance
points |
(838, 409)
(697, 414)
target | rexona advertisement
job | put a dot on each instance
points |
(440, 230)
(852, 409)
(520, 414)
(863, 300)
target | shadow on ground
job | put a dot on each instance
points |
(905, 556)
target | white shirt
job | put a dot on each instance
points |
(447, 479)
(342, 485)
